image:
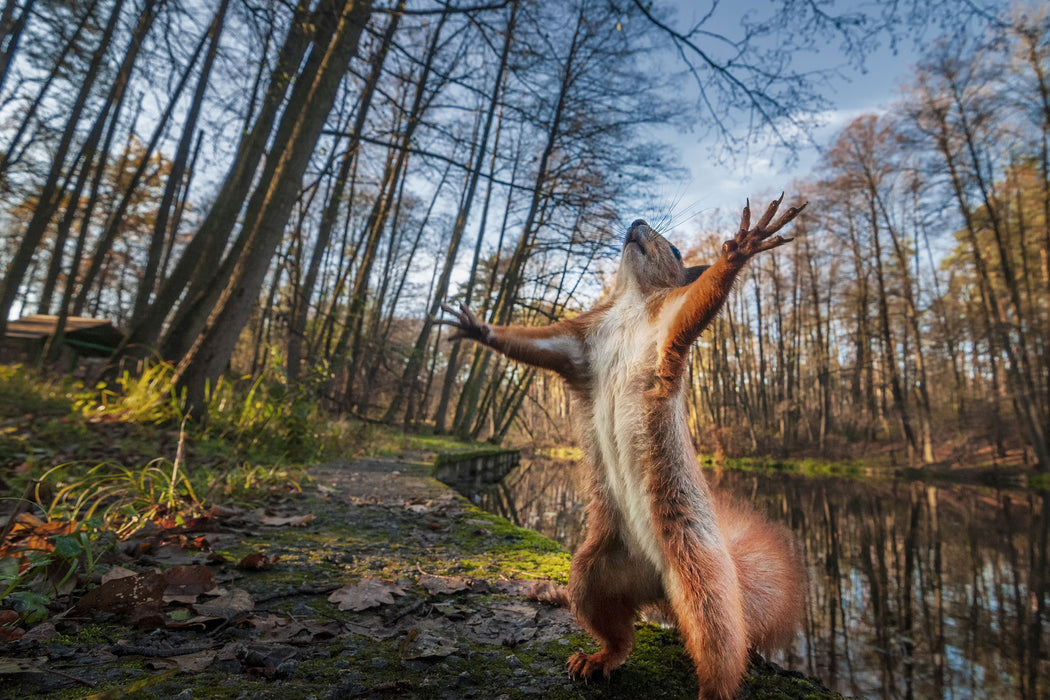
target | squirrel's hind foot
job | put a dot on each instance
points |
(586, 666)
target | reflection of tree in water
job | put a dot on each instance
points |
(543, 495)
(915, 590)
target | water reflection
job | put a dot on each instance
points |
(916, 591)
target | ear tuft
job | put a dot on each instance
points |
(692, 274)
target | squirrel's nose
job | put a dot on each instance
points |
(639, 222)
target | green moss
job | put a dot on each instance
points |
(376, 440)
(88, 634)
(849, 469)
(568, 454)
(767, 681)
(504, 547)
(466, 453)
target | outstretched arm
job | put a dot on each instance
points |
(556, 347)
(696, 304)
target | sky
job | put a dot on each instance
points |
(726, 184)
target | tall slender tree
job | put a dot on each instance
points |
(309, 106)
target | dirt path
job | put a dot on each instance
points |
(377, 582)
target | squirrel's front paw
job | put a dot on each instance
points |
(751, 241)
(466, 324)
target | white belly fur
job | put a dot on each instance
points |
(621, 360)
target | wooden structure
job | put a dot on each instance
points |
(27, 337)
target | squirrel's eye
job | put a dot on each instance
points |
(677, 255)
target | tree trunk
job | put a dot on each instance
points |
(1026, 409)
(200, 258)
(308, 109)
(301, 303)
(209, 278)
(51, 194)
(116, 218)
(381, 211)
(148, 282)
(380, 336)
(889, 347)
(12, 22)
(110, 113)
(441, 413)
(411, 372)
(29, 115)
(510, 285)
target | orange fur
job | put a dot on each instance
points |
(769, 568)
(656, 532)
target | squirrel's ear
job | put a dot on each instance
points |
(693, 273)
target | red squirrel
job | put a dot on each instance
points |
(655, 531)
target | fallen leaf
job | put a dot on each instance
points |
(117, 572)
(515, 588)
(188, 580)
(11, 634)
(369, 593)
(29, 520)
(428, 644)
(221, 511)
(175, 555)
(228, 605)
(195, 663)
(124, 595)
(267, 672)
(148, 616)
(436, 585)
(44, 632)
(199, 524)
(283, 521)
(257, 561)
(508, 624)
(273, 628)
(265, 658)
(30, 533)
(282, 629)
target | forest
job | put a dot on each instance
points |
(285, 194)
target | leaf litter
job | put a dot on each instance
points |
(172, 597)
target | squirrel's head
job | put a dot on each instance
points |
(651, 262)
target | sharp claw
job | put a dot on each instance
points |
(771, 211)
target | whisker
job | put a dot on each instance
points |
(687, 214)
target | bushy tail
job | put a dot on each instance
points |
(770, 572)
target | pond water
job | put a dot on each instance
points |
(915, 590)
